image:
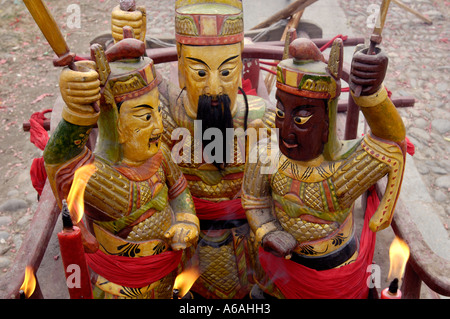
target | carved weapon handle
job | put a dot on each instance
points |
(52, 33)
(375, 38)
(130, 6)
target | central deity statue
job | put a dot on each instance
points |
(199, 107)
(209, 36)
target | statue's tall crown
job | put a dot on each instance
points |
(132, 74)
(126, 73)
(209, 22)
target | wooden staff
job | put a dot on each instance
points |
(52, 33)
(416, 13)
(375, 38)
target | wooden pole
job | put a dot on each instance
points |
(287, 12)
(293, 23)
(416, 13)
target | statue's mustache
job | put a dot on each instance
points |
(216, 113)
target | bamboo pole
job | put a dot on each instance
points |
(416, 13)
(285, 13)
(293, 23)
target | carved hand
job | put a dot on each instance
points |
(279, 243)
(368, 71)
(135, 19)
(184, 233)
(80, 89)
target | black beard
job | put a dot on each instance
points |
(216, 116)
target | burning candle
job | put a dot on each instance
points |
(74, 261)
(71, 237)
(29, 284)
(398, 256)
(184, 282)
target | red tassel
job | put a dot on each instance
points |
(39, 137)
(410, 148)
(329, 43)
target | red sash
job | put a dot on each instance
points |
(347, 282)
(134, 272)
(225, 210)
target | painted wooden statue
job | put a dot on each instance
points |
(301, 211)
(209, 36)
(138, 206)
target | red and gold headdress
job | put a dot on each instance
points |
(209, 22)
(125, 73)
(132, 74)
(308, 75)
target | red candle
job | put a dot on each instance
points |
(74, 261)
(398, 256)
(392, 292)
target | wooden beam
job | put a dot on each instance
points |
(416, 13)
(34, 243)
(287, 12)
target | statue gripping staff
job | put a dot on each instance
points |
(301, 211)
(209, 36)
(138, 206)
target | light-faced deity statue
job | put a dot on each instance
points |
(137, 205)
(209, 39)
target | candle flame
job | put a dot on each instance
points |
(29, 282)
(398, 256)
(185, 280)
(75, 199)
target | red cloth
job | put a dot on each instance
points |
(329, 43)
(225, 210)
(39, 137)
(410, 148)
(38, 174)
(247, 87)
(134, 272)
(38, 134)
(347, 282)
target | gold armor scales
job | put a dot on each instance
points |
(134, 223)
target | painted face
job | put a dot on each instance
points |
(140, 128)
(302, 124)
(210, 71)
